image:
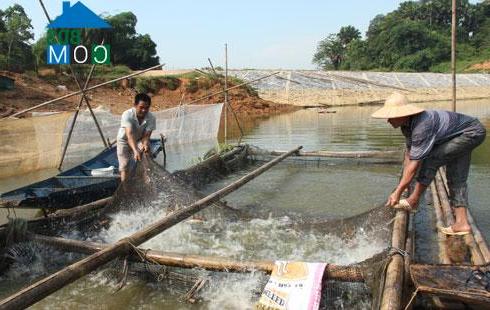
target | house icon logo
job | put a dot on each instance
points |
(65, 37)
(78, 16)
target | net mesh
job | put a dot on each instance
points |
(155, 189)
(31, 144)
(36, 143)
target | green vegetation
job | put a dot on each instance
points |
(415, 37)
(137, 51)
(192, 86)
(15, 34)
(129, 49)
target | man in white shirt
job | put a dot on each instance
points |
(134, 134)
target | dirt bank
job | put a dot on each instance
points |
(31, 90)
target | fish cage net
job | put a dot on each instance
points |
(35, 143)
(156, 189)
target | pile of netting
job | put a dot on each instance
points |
(37, 142)
(153, 192)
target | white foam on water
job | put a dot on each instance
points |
(271, 239)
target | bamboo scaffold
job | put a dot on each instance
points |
(50, 284)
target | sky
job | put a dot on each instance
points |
(265, 34)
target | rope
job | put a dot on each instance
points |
(395, 250)
(143, 255)
(412, 299)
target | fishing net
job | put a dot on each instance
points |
(388, 157)
(153, 192)
(31, 144)
(180, 125)
(36, 142)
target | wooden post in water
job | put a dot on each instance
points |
(226, 91)
(50, 284)
(453, 52)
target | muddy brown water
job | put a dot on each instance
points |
(283, 194)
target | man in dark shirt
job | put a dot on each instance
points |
(434, 138)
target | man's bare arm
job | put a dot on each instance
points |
(146, 141)
(131, 140)
(409, 171)
(408, 174)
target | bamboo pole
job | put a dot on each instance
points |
(226, 91)
(86, 90)
(393, 288)
(68, 214)
(44, 287)
(212, 263)
(83, 97)
(332, 154)
(476, 254)
(453, 53)
(441, 238)
(229, 106)
(479, 238)
(410, 250)
(75, 116)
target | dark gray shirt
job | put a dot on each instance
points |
(433, 127)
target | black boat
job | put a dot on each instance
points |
(95, 179)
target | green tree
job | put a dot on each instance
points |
(347, 34)
(330, 52)
(127, 46)
(15, 34)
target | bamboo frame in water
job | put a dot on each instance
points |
(332, 154)
(476, 255)
(50, 284)
(212, 263)
(479, 238)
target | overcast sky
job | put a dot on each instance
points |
(259, 33)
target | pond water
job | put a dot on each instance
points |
(286, 193)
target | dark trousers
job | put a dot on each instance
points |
(455, 154)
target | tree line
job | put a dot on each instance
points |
(18, 53)
(414, 37)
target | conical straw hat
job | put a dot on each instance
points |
(396, 106)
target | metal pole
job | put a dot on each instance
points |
(453, 53)
(226, 90)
